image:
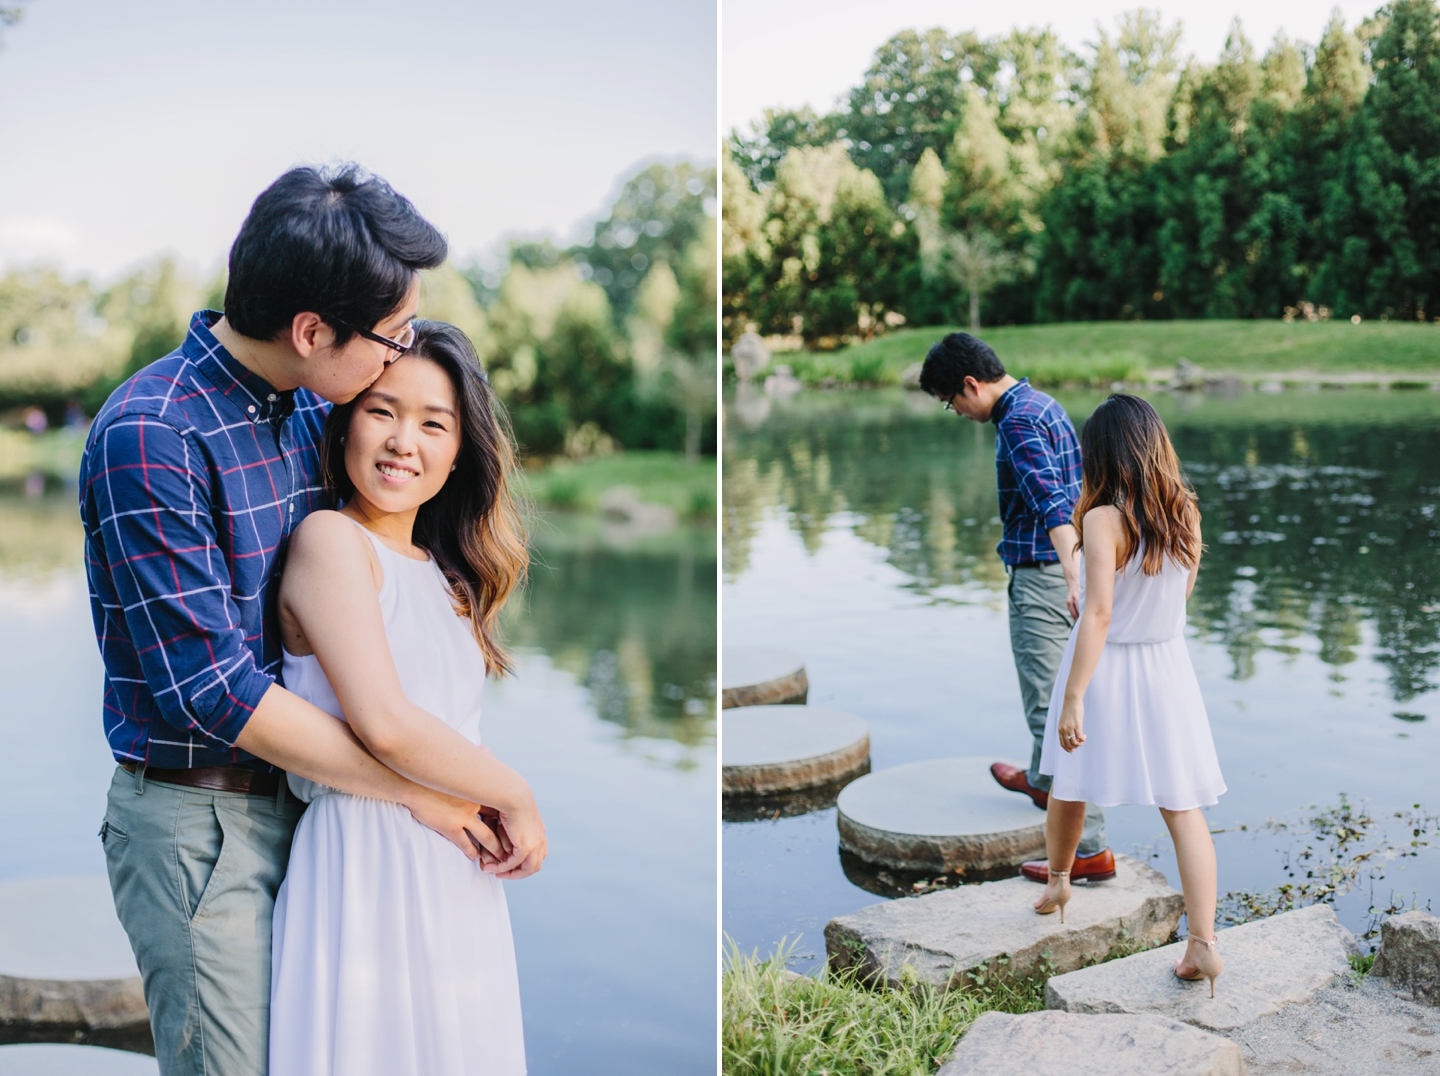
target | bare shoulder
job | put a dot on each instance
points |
(1104, 518)
(331, 542)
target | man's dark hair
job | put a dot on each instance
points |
(338, 242)
(955, 358)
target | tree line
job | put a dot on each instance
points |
(608, 343)
(1011, 180)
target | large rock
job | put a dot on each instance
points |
(762, 676)
(750, 355)
(939, 815)
(67, 973)
(1269, 964)
(1410, 955)
(1064, 1044)
(993, 926)
(769, 749)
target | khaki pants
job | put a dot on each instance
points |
(194, 874)
(1039, 629)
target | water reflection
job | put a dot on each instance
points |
(632, 617)
(1320, 510)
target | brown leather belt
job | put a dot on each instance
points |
(215, 778)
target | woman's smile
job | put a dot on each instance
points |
(396, 473)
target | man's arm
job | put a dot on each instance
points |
(1063, 538)
(1041, 482)
(301, 738)
(152, 498)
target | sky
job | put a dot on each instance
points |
(788, 53)
(146, 127)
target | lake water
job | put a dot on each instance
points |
(610, 716)
(860, 530)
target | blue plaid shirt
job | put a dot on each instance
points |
(195, 473)
(1037, 468)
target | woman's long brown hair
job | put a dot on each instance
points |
(1127, 461)
(473, 526)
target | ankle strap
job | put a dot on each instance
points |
(1058, 874)
(1208, 944)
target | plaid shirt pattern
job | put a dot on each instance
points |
(194, 474)
(1037, 467)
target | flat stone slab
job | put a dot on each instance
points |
(1066, 1044)
(939, 815)
(941, 936)
(787, 748)
(1269, 964)
(67, 972)
(1344, 1030)
(761, 676)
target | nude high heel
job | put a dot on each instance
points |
(1060, 899)
(1209, 966)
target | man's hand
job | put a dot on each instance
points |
(459, 822)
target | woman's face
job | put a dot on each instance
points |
(404, 435)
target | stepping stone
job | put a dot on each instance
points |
(767, 749)
(761, 676)
(1269, 964)
(940, 815)
(65, 1060)
(1064, 1044)
(67, 973)
(993, 927)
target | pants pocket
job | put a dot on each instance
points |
(109, 832)
(199, 853)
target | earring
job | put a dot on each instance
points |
(342, 440)
(452, 467)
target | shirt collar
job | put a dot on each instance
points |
(1008, 397)
(256, 398)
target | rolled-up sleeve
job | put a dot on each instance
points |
(151, 493)
(1039, 475)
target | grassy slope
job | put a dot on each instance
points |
(659, 477)
(1118, 350)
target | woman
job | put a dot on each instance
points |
(392, 953)
(1126, 669)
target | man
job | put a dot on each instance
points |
(1037, 464)
(195, 472)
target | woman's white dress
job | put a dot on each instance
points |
(392, 953)
(1147, 737)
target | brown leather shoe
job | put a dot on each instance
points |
(1097, 867)
(1014, 779)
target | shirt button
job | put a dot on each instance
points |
(292, 506)
(251, 409)
(270, 397)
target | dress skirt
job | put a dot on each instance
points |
(1147, 736)
(393, 954)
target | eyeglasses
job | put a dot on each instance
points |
(405, 342)
(950, 404)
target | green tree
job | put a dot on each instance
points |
(657, 214)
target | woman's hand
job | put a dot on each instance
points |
(459, 822)
(1072, 722)
(524, 832)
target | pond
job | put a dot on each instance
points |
(860, 530)
(610, 716)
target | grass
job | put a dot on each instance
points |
(658, 477)
(1098, 353)
(831, 1023)
(55, 454)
